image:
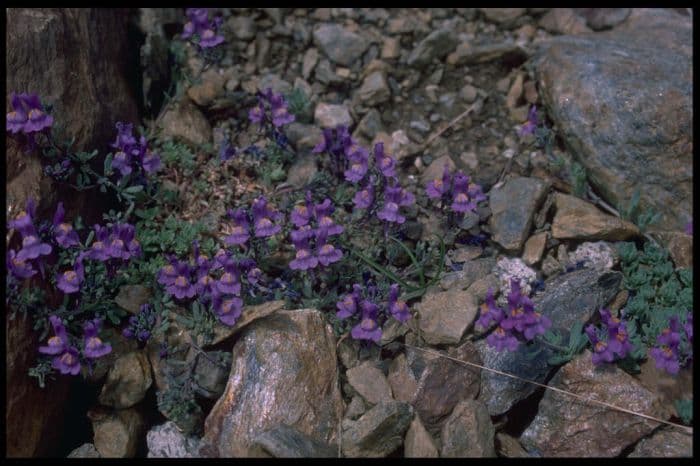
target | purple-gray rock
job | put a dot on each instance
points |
(622, 100)
(379, 431)
(468, 432)
(567, 299)
(436, 45)
(667, 442)
(340, 45)
(287, 442)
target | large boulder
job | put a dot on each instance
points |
(77, 60)
(284, 371)
(622, 100)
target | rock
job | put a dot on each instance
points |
(435, 169)
(86, 450)
(509, 447)
(468, 93)
(374, 89)
(243, 27)
(132, 297)
(303, 137)
(392, 330)
(680, 246)
(330, 116)
(531, 92)
(402, 381)
(371, 124)
(551, 266)
(356, 408)
(664, 443)
(287, 442)
(467, 54)
(379, 431)
(370, 383)
(507, 269)
(302, 171)
(515, 91)
(598, 255)
(249, 315)
(586, 83)
(443, 382)
(418, 442)
(445, 316)
(391, 48)
(471, 271)
(563, 21)
(513, 207)
(185, 122)
(603, 18)
(274, 82)
(504, 16)
(120, 347)
(465, 253)
(578, 219)
(468, 432)
(325, 75)
(534, 247)
(567, 299)
(668, 389)
(479, 289)
(339, 44)
(566, 428)
(435, 46)
(211, 87)
(127, 381)
(283, 372)
(117, 433)
(309, 62)
(166, 441)
(210, 375)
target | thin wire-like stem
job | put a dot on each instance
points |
(687, 429)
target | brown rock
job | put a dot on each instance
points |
(211, 87)
(603, 18)
(503, 16)
(369, 382)
(283, 372)
(578, 219)
(402, 380)
(117, 433)
(444, 382)
(468, 432)
(184, 121)
(467, 54)
(132, 297)
(418, 442)
(479, 289)
(127, 381)
(534, 247)
(530, 92)
(378, 432)
(249, 315)
(435, 169)
(391, 48)
(86, 450)
(445, 316)
(568, 427)
(374, 89)
(509, 447)
(564, 21)
(680, 246)
(471, 271)
(330, 116)
(120, 347)
(667, 388)
(665, 443)
(516, 90)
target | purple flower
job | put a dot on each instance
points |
(229, 283)
(439, 186)
(228, 309)
(125, 139)
(303, 259)
(364, 198)
(465, 194)
(280, 113)
(63, 232)
(66, 356)
(301, 215)
(531, 124)
(94, 346)
(395, 197)
(32, 247)
(70, 280)
(601, 351)
(666, 358)
(502, 339)
(209, 39)
(397, 307)
(348, 305)
(358, 158)
(327, 254)
(257, 114)
(263, 218)
(27, 115)
(385, 163)
(368, 328)
(688, 327)
(689, 228)
(181, 288)
(151, 162)
(122, 162)
(227, 151)
(239, 232)
(302, 233)
(205, 285)
(200, 25)
(490, 312)
(326, 225)
(254, 275)
(17, 267)
(98, 249)
(167, 274)
(24, 221)
(670, 336)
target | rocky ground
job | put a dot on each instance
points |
(436, 86)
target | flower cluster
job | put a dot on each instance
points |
(200, 30)
(141, 325)
(674, 346)
(530, 125)
(214, 281)
(335, 142)
(264, 220)
(611, 341)
(371, 316)
(66, 356)
(117, 242)
(132, 153)
(22, 263)
(272, 110)
(521, 321)
(314, 224)
(27, 119)
(456, 191)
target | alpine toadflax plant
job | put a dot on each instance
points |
(314, 226)
(200, 30)
(674, 346)
(611, 341)
(455, 191)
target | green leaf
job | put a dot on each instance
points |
(134, 189)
